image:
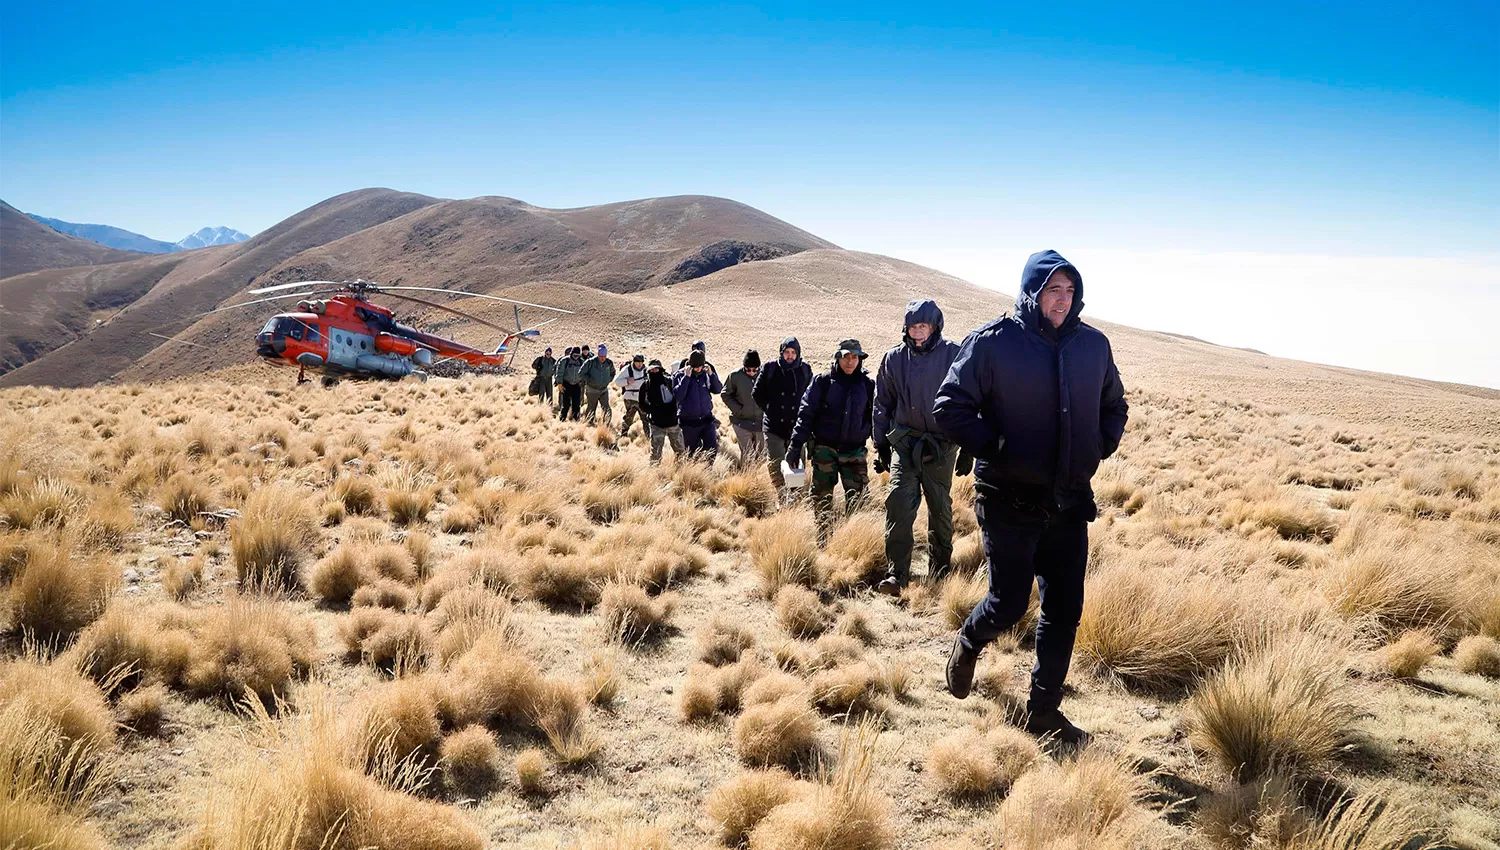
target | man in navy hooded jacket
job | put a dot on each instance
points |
(1036, 399)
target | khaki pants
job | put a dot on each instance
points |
(597, 398)
(752, 445)
(775, 454)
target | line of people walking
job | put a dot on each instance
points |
(1030, 403)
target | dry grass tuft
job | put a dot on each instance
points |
(250, 647)
(1155, 631)
(1279, 708)
(601, 678)
(842, 812)
(118, 649)
(971, 763)
(854, 689)
(357, 493)
(144, 710)
(784, 551)
(1478, 654)
(958, 595)
(751, 491)
(63, 701)
(777, 733)
(856, 550)
(531, 771)
(737, 806)
(272, 538)
(1088, 802)
(46, 783)
(384, 593)
(54, 594)
(399, 723)
(182, 576)
(184, 497)
(336, 576)
(470, 760)
(386, 639)
(801, 612)
(722, 642)
(1405, 658)
(630, 615)
(567, 582)
(1398, 584)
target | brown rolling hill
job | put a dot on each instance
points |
(27, 245)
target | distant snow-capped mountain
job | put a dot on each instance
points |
(212, 236)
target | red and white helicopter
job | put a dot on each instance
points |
(337, 331)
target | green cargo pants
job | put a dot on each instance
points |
(921, 465)
(829, 466)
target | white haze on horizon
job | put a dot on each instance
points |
(1436, 318)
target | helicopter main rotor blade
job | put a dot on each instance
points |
(280, 286)
(272, 298)
(535, 326)
(448, 309)
(175, 339)
(472, 295)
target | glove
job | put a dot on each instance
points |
(965, 463)
(794, 457)
(882, 458)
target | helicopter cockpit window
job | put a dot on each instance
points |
(295, 331)
(312, 333)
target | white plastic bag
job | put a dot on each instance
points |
(795, 477)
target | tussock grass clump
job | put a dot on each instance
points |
(601, 678)
(1446, 479)
(272, 538)
(392, 561)
(567, 582)
(470, 760)
(722, 642)
(184, 497)
(560, 711)
(1400, 584)
(784, 550)
(337, 575)
(708, 690)
(856, 551)
(408, 495)
(853, 689)
(182, 576)
(855, 623)
(39, 503)
(63, 703)
(399, 722)
(1405, 658)
(144, 710)
(606, 503)
(46, 783)
(630, 615)
(460, 518)
(1154, 631)
(531, 771)
(801, 612)
(776, 733)
(386, 639)
(384, 593)
(751, 491)
(773, 687)
(118, 649)
(495, 684)
(958, 595)
(1478, 654)
(738, 805)
(1091, 801)
(249, 647)
(1278, 708)
(842, 812)
(357, 493)
(970, 763)
(54, 594)
(968, 556)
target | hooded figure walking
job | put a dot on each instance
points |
(836, 417)
(1036, 399)
(778, 390)
(659, 409)
(695, 389)
(745, 414)
(910, 444)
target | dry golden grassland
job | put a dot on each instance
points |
(405, 616)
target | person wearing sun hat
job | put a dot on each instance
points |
(834, 421)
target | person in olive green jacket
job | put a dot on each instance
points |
(598, 372)
(569, 381)
(744, 412)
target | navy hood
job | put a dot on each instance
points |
(1039, 267)
(924, 310)
(789, 342)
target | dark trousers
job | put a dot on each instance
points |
(702, 436)
(1054, 554)
(572, 400)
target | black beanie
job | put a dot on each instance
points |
(752, 359)
(696, 359)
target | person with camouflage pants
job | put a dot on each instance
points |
(836, 418)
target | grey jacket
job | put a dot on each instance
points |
(739, 397)
(907, 384)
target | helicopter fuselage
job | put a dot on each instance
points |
(349, 337)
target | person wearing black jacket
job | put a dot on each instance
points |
(778, 390)
(659, 408)
(836, 417)
(545, 367)
(1036, 399)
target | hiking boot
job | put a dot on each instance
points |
(889, 586)
(960, 670)
(1052, 724)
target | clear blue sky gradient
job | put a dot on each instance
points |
(945, 133)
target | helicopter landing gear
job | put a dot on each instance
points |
(419, 375)
(329, 382)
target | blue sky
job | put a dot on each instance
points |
(1241, 155)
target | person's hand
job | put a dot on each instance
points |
(882, 458)
(965, 463)
(794, 457)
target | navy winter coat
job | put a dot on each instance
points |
(695, 395)
(838, 411)
(779, 389)
(907, 384)
(1037, 408)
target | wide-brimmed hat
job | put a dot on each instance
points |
(851, 346)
